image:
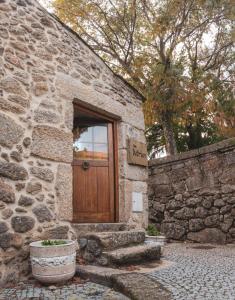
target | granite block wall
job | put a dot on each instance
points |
(192, 195)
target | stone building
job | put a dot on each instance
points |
(65, 124)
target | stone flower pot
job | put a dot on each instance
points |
(161, 239)
(53, 264)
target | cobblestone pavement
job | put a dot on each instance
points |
(86, 291)
(192, 272)
(198, 274)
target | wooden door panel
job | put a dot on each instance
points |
(93, 192)
(85, 189)
(92, 201)
(103, 190)
(93, 217)
(90, 198)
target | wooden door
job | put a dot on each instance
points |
(93, 172)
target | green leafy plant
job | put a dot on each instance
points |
(152, 230)
(53, 242)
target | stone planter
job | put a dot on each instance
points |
(161, 239)
(52, 264)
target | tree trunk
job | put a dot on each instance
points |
(171, 148)
(194, 136)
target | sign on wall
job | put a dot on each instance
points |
(137, 153)
(137, 202)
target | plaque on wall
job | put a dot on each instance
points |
(137, 153)
(137, 202)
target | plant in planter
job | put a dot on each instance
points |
(153, 235)
(53, 261)
(53, 242)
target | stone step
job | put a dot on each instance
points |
(111, 240)
(132, 254)
(134, 284)
(83, 228)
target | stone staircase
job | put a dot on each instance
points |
(82, 229)
(114, 244)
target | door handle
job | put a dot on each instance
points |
(85, 165)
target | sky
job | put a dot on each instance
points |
(45, 3)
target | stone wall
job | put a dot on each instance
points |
(192, 195)
(44, 68)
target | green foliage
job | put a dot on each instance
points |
(178, 54)
(196, 135)
(187, 137)
(53, 242)
(155, 140)
(152, 230)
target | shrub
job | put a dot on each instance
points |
(152, 230)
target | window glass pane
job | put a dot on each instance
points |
(90, 142)
(83, 150)
(100, 151)
(84, 134)
(100, 134)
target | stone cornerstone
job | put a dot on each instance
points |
(44, 67)
(192, 195)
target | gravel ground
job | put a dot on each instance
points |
(86, 291)
(198, 274)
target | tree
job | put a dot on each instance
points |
(160, 47)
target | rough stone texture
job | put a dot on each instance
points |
(116, 247)
(81, 228)
(15, 155)
(25, 201)
(59, 232)
(129, 281)
(27, 142)
(33, 188)
(64, 193)
(42, 173)
(22, 224)
(139, 286)
(13, 171)
(114, 240)
(7, 213)
(173, 230)
(192, 195)
(8, 240)
(3, 227)
(7, 194)
(10, 131)
(45, 69)
(208, 235)
(46, 138)
(42, 213)
(133, 254)
(44, 116)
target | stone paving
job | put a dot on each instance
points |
(198, 274)
(188, 271)
(86, 291)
